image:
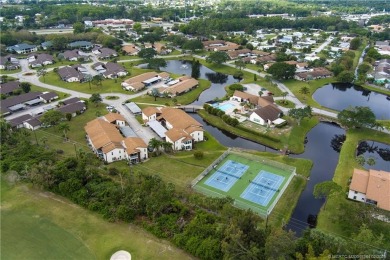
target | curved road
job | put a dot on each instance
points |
(123, 97)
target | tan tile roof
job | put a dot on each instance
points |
(227, 48)
(208, 43)
(140, 78)
(159, 46)
(176, 134)
(260, 53)
(130, 49)
(291, 62)
(133, 143)
(378, 188)
(112, 117)
(252, 98)
(148, 111)
(103, 135)
(182, 86)
(359, 181)
(178, 118)
(164, 74)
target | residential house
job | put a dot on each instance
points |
(182, 131)
(210, 45)
(110, 70)
(382, 71)
(182, 85)
(228, 46)
(73, 55)
(71, 101)
(32, 123)
(139, 82)
(239, 53)
(9, 62)
(106, 141)
(257, 101)
(46, 45)
(74, 108)
(19, 102)
(71, 74)
(9, 87)
(83, 45)
(131, 50)
(315, 73)
(39, 60)
(48, 97)
(17, 122)
(22, 48)
(115, 118)
(104, 53)
(160, 48)
(264, 59)
(266, 115)
(372, 187)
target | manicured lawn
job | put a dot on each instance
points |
(54, 137)
(285, 103)
(4, 72)
(298, 133)
(313, 85)
(335, 218)
(184, 99)
(61, 95)
(41, 225)
(180, 168)
(60, 64)
(379, 90)
(217, 122)
(108, 85)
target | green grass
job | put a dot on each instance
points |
(60, 64)
(180, 168)
(184, 99)
(255, 166)
(313, 85)
(328, 219)
(41, 225)
(108, 85)
(285, 103)
(298, 133)
(4, 72)
(76, 134)
(358, 53)
(218, 122)
(379, 90)
(61, 95)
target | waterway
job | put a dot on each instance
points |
(318, 148)
(340, 96)
(218, 80)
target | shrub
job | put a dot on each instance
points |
(236, 87)
(198, 155)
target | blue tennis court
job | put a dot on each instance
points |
(263, 188)
(225, 176)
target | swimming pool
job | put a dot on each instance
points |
(225, 106)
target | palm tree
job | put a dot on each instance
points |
(167, 146)
(155, 145)
(304, 90)
(44, 140)
(65, 128)
(284, 95)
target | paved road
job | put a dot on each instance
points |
(322, 46)
(142, 131)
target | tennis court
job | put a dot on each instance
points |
(253, 182)
(263, 188)
(226, 175)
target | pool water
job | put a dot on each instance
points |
(225, 106)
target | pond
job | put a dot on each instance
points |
(218, 80)
(339, 96)
(380, 152)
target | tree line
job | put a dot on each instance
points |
(208, 228)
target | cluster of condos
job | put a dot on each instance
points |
(112, 139)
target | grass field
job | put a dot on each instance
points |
(41, 225)
(5, 72)
(255, 166)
